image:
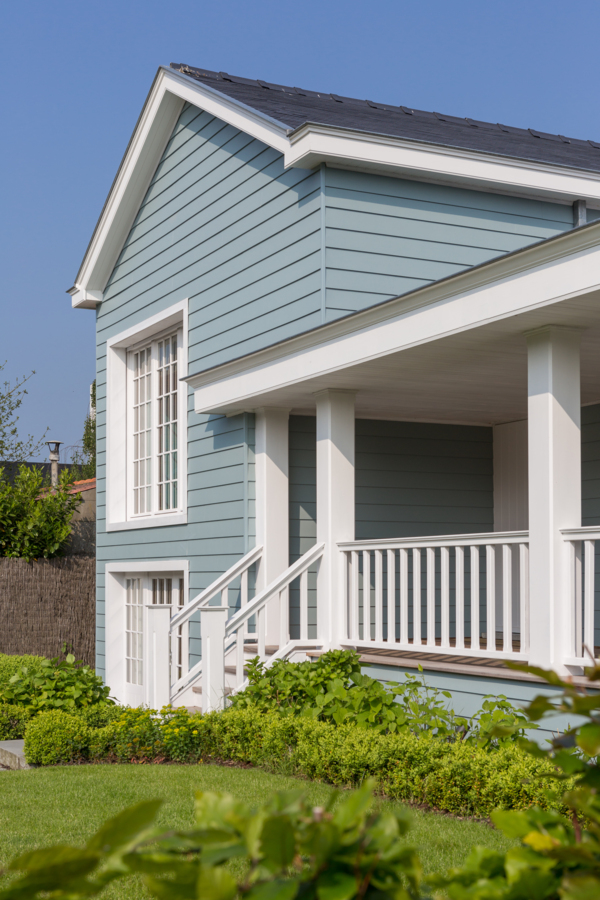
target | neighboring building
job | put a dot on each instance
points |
(360, 340)
(83, 535)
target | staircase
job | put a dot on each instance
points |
(227, 643)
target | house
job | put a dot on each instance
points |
(348, 392)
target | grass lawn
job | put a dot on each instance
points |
(40, 807)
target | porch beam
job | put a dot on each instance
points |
(554, 451)
(335, 507)
(272, 504)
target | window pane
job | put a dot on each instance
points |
(166, 384)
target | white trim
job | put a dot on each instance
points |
(312, 144)
(117, 516)
(306, 147)
(159, 115)
(114, 606)
(563, 268)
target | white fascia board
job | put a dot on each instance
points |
(164, 103)
(311, 145)
(547, 273)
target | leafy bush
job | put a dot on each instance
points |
(13, 721)
(35, 520)
(55, 684)
(283, 850)
(10, 665)
(332, 689)
(56, 737)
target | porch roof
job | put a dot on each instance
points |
(452, 351)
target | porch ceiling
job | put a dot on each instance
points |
(476, 377)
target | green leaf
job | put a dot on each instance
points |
(215, 884)
(589, 738)
(336, 885)
(273, 890)
(278, 841)
(511, 823)
(118, 833)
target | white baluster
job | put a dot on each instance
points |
(507, 598)
(239, 656)
(417, 599)
(244, 596)
(459, 592)
(284, 617)
(403, 560)
(490, 590)
(445, 595)
(391, 594)
(475, 598)
(378, 595)
(367, 595)
(353, 595)
(577, 598)
(430, 557)
(588, 620)
(304, 606)
(260, 633)
(524, 596)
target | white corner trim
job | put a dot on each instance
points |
(531, 279)
(311, 144)
(117, 489)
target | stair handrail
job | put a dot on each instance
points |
(219, 584)
(277, 585)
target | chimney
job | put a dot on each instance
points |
(54, 447)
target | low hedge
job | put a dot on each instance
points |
(13, 721)
(455, 777)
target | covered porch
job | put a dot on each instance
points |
(512, 349)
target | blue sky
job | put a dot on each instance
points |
(75, 76)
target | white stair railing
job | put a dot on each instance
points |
(221, 586)
(583, 640)
(235, 626)
(459, 594)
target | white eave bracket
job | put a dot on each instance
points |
(81, 298)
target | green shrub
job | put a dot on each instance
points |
(35, 520)
(13, 721)
(11, 665)
(55, 684)
(138, 735)
(99, 715)
(56, 737)
(332, 689)
(180, 735)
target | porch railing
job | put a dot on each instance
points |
(461, 594)
(584, 599)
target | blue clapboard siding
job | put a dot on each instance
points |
(386, 236)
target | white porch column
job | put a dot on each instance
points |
(272, 505)
(554, 438)
(213, 620)
(335, 507)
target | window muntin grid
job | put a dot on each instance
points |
(167, 423)
(162, 591)
(142, 431)
(134, 631)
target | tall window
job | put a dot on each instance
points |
(167, 423)
(153, 437)
(142, 431)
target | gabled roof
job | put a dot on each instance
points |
(296, 106)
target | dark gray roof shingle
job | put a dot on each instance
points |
(295, 106)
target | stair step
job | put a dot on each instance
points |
(232, 670)
(253, 648)
(197, 689)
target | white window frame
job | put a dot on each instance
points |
(119, 469)
(115, 621)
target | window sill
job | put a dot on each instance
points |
(151, 522)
